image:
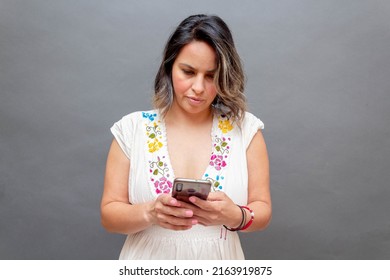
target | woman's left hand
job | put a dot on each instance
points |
(218, 209)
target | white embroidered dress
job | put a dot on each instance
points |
(142, 137)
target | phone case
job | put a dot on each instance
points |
(183, 188)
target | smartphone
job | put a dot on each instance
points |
(183, 188)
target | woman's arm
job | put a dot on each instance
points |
(118, 215)
(259, 196)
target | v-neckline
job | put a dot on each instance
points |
(166, 143)
(159, 163)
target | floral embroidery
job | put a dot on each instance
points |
(160, 172)
(154, 145)
(158, 166)
(153, 131)
(217, 162)
(224, 125)
(221, 150)
(149, 116)
(163, 185)
(215, 183)
(219, 156)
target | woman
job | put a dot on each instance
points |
(198, 129)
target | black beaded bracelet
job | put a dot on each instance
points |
(243, 221)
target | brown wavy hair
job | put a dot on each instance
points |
(229, 76)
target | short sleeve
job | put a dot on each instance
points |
(123, 131)
(250, 126)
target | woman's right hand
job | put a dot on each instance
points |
(170, 213)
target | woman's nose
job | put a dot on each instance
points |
(198, 85)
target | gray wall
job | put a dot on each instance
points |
(318, 76)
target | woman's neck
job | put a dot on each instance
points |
(180, 117)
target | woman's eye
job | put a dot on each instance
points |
(188, 72)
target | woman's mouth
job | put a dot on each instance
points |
(194, 100)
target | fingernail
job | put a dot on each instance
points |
(188, 213)
(192, 199)
(194, 222)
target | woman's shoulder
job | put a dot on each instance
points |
(250, 119)
(251, 124)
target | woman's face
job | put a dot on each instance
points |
(193, 78)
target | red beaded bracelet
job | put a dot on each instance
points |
(252, 217)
